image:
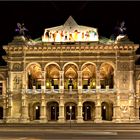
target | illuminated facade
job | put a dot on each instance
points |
(69, 75)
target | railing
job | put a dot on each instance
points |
(36, 91)
(69, 91)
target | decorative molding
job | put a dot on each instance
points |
(123, 66)
(17, 67)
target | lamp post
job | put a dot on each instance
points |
(70, 114)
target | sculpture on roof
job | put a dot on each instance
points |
(122, 28)
(21, 29)
(119, 33)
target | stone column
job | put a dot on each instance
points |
(43, 83)
(132, 107)
(116, 109)
(98, 86)
(43, 114)
(61, 82)
(24, 109)
(80, 109)
(61, 110)
(137, 109)
(10, 82)
(4, 108)
(79, 82)
(98, 117)
(115, 79)
(9, 109)
(131, 85)
(24, 84)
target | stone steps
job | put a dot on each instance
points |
(94, 126)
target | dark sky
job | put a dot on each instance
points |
(38, 15)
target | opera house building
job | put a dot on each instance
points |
(70, 73)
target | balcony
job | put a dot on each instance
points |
(70, 91)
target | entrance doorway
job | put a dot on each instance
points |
(53, 110)
(107, 111)
(37, 111)
(88, 110)
(70, 111)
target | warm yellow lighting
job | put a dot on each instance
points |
(104, 107)
(93, 83)
(47, 84)
(73, 32)
(36, 107)
(70, 107)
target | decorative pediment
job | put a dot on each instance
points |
(70, 31)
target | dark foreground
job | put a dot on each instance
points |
(67, 132)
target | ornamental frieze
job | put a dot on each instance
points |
(123, 66)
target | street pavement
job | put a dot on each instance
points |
(68, 134)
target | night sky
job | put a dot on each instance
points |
(38, 15)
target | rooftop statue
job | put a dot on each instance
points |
(21, 29)
(122, 28)
(121, 32)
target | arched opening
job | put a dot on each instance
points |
(34, 75)
(36, 108)
(106, 76)
(88, 111)
(70, 111)
(52, 76)
(107, 111)
(89, 76)
(1, 112)
(70, 76)
(53, 111)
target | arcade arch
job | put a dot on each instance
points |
(34, 75)
(89, 76)
(70, 76)
(52, 76)
(106, 76)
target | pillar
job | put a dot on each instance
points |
(24, 109)
(43, 114)
(98, 86)
(132, 107)
(10, 82)
(4, 108)
(79, 82)
(43, 83)
(9, 109)
(61, 82)
(98, 117)
(131, 85)
(116, 109)
(61, 110)
(80, 109)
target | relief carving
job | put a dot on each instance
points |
(17, 84)
(123, 66)
(16, 67)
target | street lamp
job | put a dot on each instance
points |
(70, 107)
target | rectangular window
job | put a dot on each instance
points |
(0, 88)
